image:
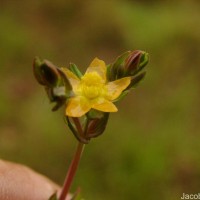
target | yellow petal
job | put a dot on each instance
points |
(77, 106)
(105, 106)
(115, 88)
(98, 66)
(73, 79)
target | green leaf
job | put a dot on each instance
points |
(75, 70)
(77, 195)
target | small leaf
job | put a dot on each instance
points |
(75, 70)
(76, 195)
(53, 197)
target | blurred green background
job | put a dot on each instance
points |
(151, 147)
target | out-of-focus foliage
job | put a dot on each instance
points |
(150, 149)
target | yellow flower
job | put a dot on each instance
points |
(93, 90)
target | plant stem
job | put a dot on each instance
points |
(71, 171)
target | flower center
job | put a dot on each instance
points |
(92, 85)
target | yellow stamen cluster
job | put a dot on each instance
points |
(92, 85)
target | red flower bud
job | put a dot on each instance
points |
(135, 62)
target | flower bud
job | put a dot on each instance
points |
(127, 64)
(135, 62)
(56, 84)
(96, 124)
(46, 72)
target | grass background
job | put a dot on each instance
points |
(150, 149)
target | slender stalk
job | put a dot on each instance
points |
(71, 171)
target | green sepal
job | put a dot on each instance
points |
(73, 68)
(94, 114)
(53, 197)
(144, 60)
(92, 124)
(46, 72)
(96, 126)
(136, 80)
(72, 126)
(37, 70)
(116, 69)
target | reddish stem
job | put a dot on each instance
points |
(71, 171)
